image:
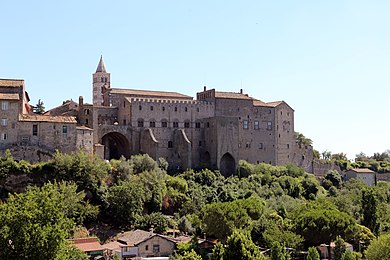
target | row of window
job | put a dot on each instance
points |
(175, 124)
(163, 108)
(256, 125)
(35, 129)
(4, 105)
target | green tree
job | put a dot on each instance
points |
(318, 225)
(158, 221)
(300, 139)
(218, 252)
(334, 177)
(39, 107)
(348, 255)
(125, 202)
(370, 210)
(313, 254)
(278, 252)
(239, 246)
(191, 255)
(340, 248)
(35, 225)
(379, 248)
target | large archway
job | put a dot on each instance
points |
(115, 146)
(227, 165)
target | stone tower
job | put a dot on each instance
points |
(101, 80)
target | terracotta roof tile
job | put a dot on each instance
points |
(150, 93)
(232, 95)
(11, 82)
(43, 118)
(87, 244)
(362, 170)
(5, 96)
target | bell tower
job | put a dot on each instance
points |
(101, 81)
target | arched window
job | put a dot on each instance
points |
(164, 123)
(170, 144)
(140, 122)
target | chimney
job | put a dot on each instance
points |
(81, 101)
(241, 91)
(204, 88)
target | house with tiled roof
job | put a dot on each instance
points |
(367, 175)
(90, 246)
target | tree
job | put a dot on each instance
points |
(125, 202)
(191, 255)
(326, 155)
(370, 210)
(318, 225)
(340, 248)
(348, 255)
(218, 252)
(278, 252)
(35, 224)
(239, 246)
(334, 177)
(300, 139)
(362, 157)
(379, 248)
(313, 254)
(39, 107)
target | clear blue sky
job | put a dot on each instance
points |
(330, 60)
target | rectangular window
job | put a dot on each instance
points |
(124, 121)
(164, 124)
(152, 124)
(256, 125)
(146, 247)
(197, 125)
(176, 124)
(156, 248)
(269, 125)
(4, 121)
(260, 145)
(35, 130)
(151, 108)
(4, 105)
(64, 129)
(3, 136)
(288, 146)
(245, 124)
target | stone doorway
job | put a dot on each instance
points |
(227, 165)
(115, 146)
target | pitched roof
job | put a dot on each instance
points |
(43, 118)
(87, 244)
(361, 170)
(101, 67)
(133, 238)
(258, 103)
(11, 82)
(5, 96)
(232, 95)
(149, 94)
(63, 109)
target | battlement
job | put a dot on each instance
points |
(169, 101)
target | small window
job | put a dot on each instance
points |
(248, 145)
(260, 145)
(170, 144)
(245, 124)
(146, 247)
(288, 146)
(4, 121)
(197, 109)
(140, 107)
(64, 129)
(256, 125)
(163, 108)
(4, 105)
(86, 111)
(140, 123)
(151, 108)
(208, 124)
(3, 136)
(86, 121)
(175, 109)
(186, 109)
(35, 130)
(164, 124)
(175, 124)
(200, 143)
(269, 125)
(186, 124)
(124, 122)
(152, 124)
(156, 248)
(197, 125)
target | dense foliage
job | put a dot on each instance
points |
(262, 206)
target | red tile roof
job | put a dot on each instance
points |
(5, 96)
(87, 244)
(43, 118)
(149, 93)
(232, 95)
(11, 82)
(361, 170)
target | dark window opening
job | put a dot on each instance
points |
(170, 144)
